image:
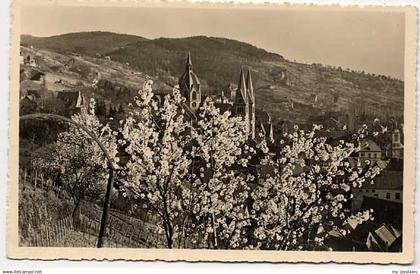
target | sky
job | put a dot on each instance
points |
(372, 41)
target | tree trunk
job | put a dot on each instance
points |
(183, 234)
(76, 214)
(169, 235)
(170, 242)
(213, 225)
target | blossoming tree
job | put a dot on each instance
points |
(305, 195)
(182, 166)
(219, 178)
(81, 164)
(156, 138)
(213, 187)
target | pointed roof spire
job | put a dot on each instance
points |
(242, 86)
(79, 100)
(271, 136)
(188, 78)
(189, 62)
(250, 87)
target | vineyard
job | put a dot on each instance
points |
(45, 220)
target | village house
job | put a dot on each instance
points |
(31, 80)
(28, 103)
(384, 211)
(332, 121)
(383, 196)
(29, 60)
(386, 238)
(387, 186)
(367, 236)
(21, 59)
(369, 150)
(74, 101)
(37, 75)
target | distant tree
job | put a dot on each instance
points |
(100, 108)
(80, 49)
(51, 104)
(112, 111)
(41, 132)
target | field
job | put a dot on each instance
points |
(45, 219)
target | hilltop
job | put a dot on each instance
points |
(86, 43)
(288, 90)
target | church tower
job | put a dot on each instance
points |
(241, 104)
(190, 87)
(397, 148)
(251, 102)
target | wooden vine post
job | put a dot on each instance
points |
(105, 212)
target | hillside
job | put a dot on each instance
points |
(64, 72)
(288, 90)
(216, 60)
(86, 43)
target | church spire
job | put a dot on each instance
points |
(271, 136)
(189, 62)
(242, 87)
(250, 87)
(189, 85)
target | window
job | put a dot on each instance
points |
(367, 190)
(388, 195)
(193, 105)
(360, 190)
(376, 195)
(373, 190)
(398, 196)
(193, 95)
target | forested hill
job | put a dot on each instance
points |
(88, 43)
(286, 89)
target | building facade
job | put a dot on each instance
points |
(387, 186)
(397, 148)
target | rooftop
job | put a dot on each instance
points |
(369, 145)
